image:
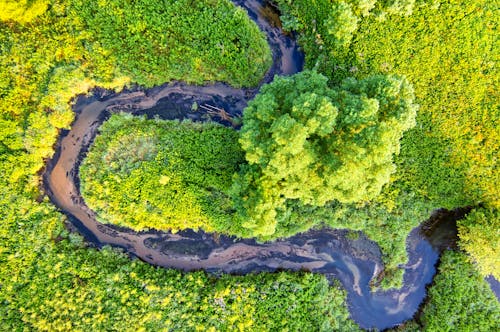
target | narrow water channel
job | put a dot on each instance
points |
(327, 251)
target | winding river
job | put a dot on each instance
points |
(327, 251)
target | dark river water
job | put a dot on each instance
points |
(330, 252)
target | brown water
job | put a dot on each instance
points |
(354, 262)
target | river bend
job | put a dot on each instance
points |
(327, 251)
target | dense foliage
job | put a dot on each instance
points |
(161, 174)
(447, 52)
(22, 11)
(446, 49)
(460, 299)
(49, 279)
(53, 282)
(60, 54)
(195, 41)
(479, 235)
(427, 177)
(308, 142)
(53, 50)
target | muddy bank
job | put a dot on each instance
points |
(331, 252)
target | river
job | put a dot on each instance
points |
(326, 251)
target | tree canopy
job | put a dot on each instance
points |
(22, 11)
(479, 235)
(308, 142)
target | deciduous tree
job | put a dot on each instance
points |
(306, 141)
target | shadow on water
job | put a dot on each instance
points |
(327, 251)
(441, 229)
(494, 285)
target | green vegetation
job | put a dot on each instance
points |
(479, 235)
(161, 174)
(49, 279)
(290, 183)
(447, 50)
(53, 282)
(61, 53)
(195, 41)
(22, 11)
(305, 141)
(357, 125)
(448, 53)
(459, 300)
(52, 50)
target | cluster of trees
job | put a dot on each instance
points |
(327, 28)
(447, 50)
(320, 152)
(52, 281)
(313, 154)
(49, 279)
(165, 175)
(460, 299)
(309, 149)
(308, 142)
(75, 45)
(52, 50)
(158, 41)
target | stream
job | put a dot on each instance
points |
(330, 252)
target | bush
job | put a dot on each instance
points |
(22, 11)
(479, 235)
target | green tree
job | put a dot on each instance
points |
(308, 142)
(341, 24)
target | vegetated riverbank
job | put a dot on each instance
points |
(419, 270)
(50, 279)
(445, 49)
(459, 299)
(354, 262)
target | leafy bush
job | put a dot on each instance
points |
(22, 11)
